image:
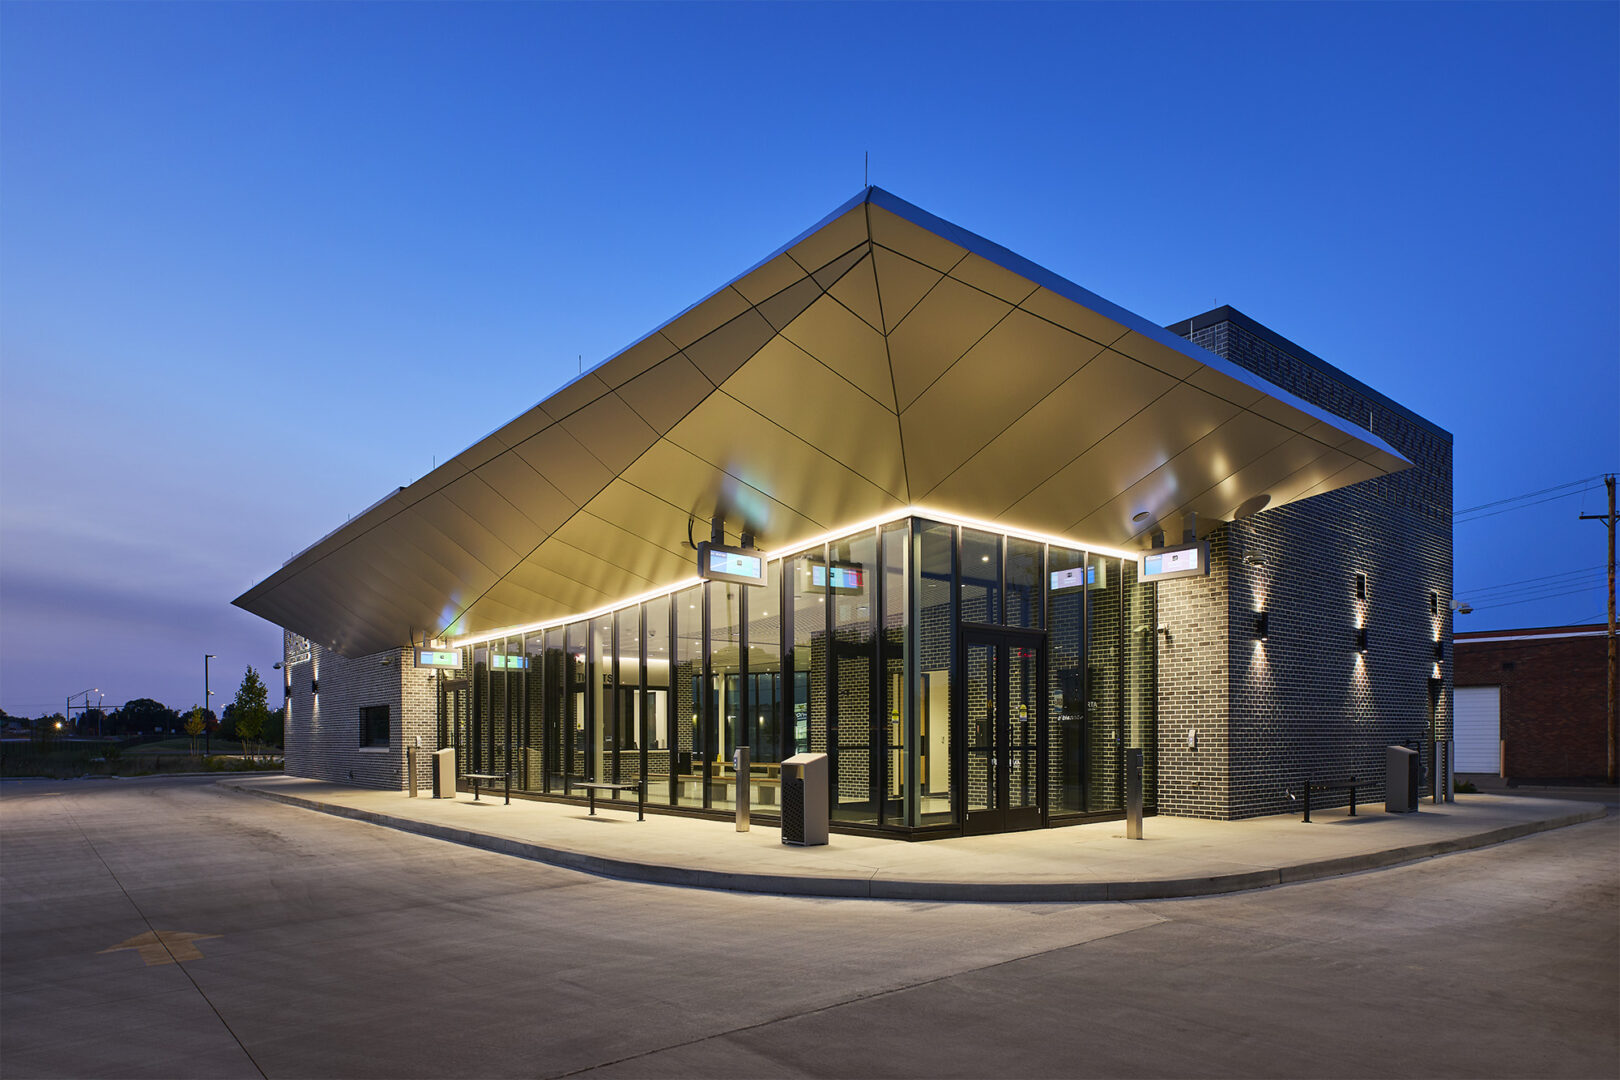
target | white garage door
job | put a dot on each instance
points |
(1479, 729)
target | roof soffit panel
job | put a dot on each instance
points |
(1130, 452)
(367, 600)
(630, 555)
(611, 431)
(481, 451)
(913, 241)
(582, 391)
(552, 590)
(705, 317)
(1061, 426)
(1221, 385)
(644, 354)
(794, 390)
(838, 338)
(563, 460)
(666, 393)
(486, 615)
(495, 514)
(784, 467)
(627, 507)
(789, 304)
(831, 240)
(720, 353)
(986, 276)
(857, 290)
(535, 497)
(1156, 354)
(939, 330)
(528, 423)
(1184, 482)
(431, 552)
(681, 478)
(466, 533)
(1066, 313)
(828, 275)
(902, 282)
(1262, 478)
(770, 279)
(1353, 472)
(580, 561)
(540, 574)
(429, 483)
(1002, 377)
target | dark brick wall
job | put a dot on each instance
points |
(1306, 703)
(1554, 709)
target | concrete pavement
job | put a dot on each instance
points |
(1178, 857)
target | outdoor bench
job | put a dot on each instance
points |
(1347, 784)
(593, 786)
(505, 777)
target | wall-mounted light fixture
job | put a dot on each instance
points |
(1434, 603)
(314, 686)
(1361, 639)
(1439, 652)
(1361, 586)
(1262, 626)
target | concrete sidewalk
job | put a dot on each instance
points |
(1179, 857)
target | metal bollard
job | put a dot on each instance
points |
(742, 766)
(410, 767)
(1133, 793)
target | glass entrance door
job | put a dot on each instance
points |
(1001, 744)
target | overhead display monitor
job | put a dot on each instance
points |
(439, 658)
(509, 662)
(1185, 560)
(1094, 576)
(741, 566)
(848, 579)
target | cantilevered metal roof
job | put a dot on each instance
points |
(884, 359)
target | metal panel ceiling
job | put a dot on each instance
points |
(882, 358)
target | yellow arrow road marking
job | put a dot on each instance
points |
(158, 947)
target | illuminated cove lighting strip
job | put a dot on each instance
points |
(801, 547)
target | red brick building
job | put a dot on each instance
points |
(1530, 704)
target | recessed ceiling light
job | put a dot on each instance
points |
(1139, 517)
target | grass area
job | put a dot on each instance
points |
(182, 745)
(65, 762)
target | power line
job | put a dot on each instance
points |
(1532, 599)
(1527, 581)
(1528, 494)
(1457, 520)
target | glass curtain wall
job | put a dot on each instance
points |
(852, 649)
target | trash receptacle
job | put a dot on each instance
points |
(804, 800)
(444, 773)
(1403, 779)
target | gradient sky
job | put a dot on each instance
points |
(261, 264)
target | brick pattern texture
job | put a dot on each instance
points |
(1305, 703)
(1554, 708)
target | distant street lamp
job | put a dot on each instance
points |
(208, 706)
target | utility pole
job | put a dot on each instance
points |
(1613, 687)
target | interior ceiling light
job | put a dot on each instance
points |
(1139, 517)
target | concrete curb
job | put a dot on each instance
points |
(876, 887)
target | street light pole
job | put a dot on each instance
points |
(67, 709)
(207, 705)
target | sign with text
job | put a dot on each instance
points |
(438, 658)
(849, 579)
(1094, 576)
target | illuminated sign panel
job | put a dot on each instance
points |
(743, 566)
(1188, 560)
(439, 658)
(1094, 576)
(844, 578)
(513, 662)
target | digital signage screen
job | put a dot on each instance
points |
(743, 566)
(1188, 560)
(438, 658)
(850, 579)
(1094, 576)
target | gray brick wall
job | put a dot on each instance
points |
(1306, 703)
(323, 729)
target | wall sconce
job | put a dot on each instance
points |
(1434, 603)
(1361, 586)
(1262, 626)
(314, 686)
(1361, 639)
(1439, 652)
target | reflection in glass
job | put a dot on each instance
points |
(657, 730)
(981, 577)
(808, 732)
(726, 697)
(936, 635)
(1066, 701)
(1024, 584)
(532, 773)
(896, 539)
(688, 690)
(855, 768)
(624, 731)
(1104, 754)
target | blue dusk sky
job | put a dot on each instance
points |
(262, 263)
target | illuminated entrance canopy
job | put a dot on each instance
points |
(884, 359)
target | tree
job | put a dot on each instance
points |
(196, 724)
(250, 710)
(143, 715)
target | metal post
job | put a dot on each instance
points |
(207, 705)
(1133, 793)
(1612, 684)
(410, 767)
(744, 790)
